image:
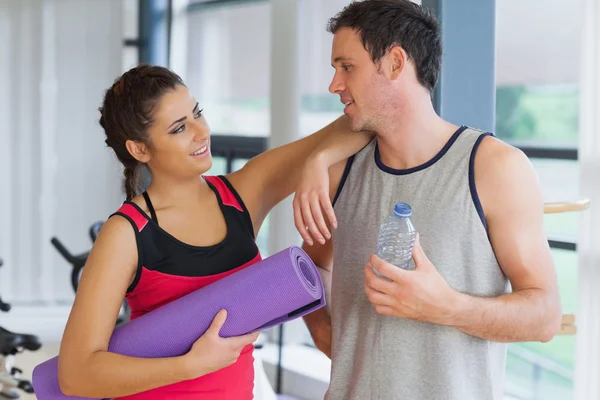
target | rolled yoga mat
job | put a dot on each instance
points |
(280, 288)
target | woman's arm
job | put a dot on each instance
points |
(85, 366)
(272, 176)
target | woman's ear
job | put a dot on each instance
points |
(138, 150)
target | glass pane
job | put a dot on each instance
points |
(563, 226)
(538, 115)
(559, 180)
(545, 370)
(228, 66)
(262, 240)
(238, 163)
(318, 106)
(219, 166)
(537, 95)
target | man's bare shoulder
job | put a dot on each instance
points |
(503, 172)
(497, 158)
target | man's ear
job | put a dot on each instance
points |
(138, 150)
(397, 61)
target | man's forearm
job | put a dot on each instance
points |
(525, 315)
(319, 326)
(319, 322)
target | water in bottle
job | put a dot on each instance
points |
(397, 237)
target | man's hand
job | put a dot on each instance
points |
(421, 294)
(312, 200)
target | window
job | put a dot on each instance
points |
(318, 106)
(559, 181)
(545, 370)
(228, 70)
(537, 109)
(530, 115)
(228, 65)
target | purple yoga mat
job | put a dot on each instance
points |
(275, 290)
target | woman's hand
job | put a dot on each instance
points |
(211, 352)
(312, 200)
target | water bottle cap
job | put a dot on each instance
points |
(402, 210)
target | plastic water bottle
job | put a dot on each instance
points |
(397, 237)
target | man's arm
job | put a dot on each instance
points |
(319, 322)
(512, 202)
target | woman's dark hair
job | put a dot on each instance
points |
(128, 111)
(383, 24)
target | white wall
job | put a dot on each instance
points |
(56, 176)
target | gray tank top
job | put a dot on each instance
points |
(379, 357)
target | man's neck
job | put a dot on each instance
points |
(413, 137)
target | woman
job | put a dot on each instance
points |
(185, 231)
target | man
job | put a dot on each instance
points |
(438, 331)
